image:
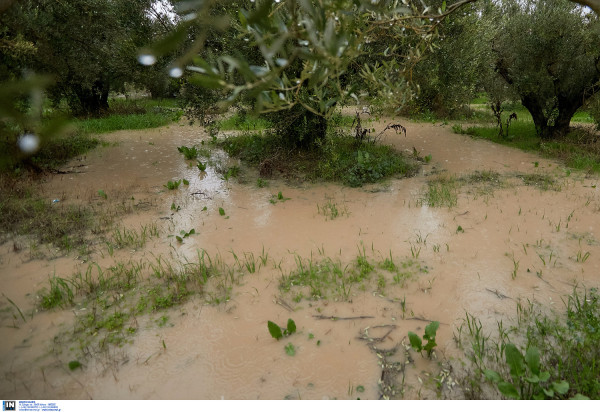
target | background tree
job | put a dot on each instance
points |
(88, 47)
(548, 52)
(449, 75)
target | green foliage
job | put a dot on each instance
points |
(172, 185)
(278, 198)
(450, 73)
(430, 331)
(278, 332)
(60, 294)
(183, 234)
(340, 160)
(558, 354)
(245, 122)
(290, 349)
(188, 152)
(303, 60)
(528, 380)
(74, 364)
(233, 171)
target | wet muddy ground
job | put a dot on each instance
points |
(504, 242)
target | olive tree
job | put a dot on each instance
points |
(548, 53)
(304, 58)
(87, 47)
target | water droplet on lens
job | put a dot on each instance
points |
(147, 59)
(176, 72)
(29, 143)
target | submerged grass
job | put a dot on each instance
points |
(110, 300)
(442, 191)
(328, 278)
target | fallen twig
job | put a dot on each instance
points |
(498, 294)
(334, 318)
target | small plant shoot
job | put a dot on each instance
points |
(278, 332)
(417, 344)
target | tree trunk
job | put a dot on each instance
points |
(540, 120)
(92, 101)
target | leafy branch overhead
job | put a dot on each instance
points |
(299, 53)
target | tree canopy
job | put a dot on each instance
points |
(548, 52)
(87, 47)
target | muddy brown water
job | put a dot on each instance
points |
(224, 351)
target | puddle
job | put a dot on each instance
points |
(513, 243)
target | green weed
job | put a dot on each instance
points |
(278, 198)
(556, 355)
(528, 380)
(183, 234)
(173, 185)
(189, 153)
(60, 294)
(331, 211)
(278, 332)
(417, 344)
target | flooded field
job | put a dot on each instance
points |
(511, 227)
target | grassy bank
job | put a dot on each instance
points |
(579, 149)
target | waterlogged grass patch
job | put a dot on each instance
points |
(579, 149)
(328, 278)
(441, 192)
(113, 302)
(245, 122)
(541, 181)
(331, 210)
(131, 238)
(340, 160)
